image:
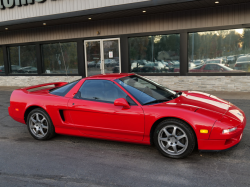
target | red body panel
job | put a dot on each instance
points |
(107, 121)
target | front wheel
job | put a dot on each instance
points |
(40, 125)
(174, 138)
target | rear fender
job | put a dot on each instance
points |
(20, 102)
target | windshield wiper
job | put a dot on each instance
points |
(157, 101)
(177, 94)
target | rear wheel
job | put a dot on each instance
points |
(174, 138)
(40, 125)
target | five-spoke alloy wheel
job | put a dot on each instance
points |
(40, 125)
(174, 138)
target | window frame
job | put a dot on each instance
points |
(152, 34)
(39, 57)
(207, 29)
(57, 74)
(4, 62)
(9, 62)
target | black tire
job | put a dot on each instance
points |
(166, 143)
(46, 126)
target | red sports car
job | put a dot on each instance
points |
(130, 108)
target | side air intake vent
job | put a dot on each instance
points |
(62, 115)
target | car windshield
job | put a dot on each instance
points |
(198, 67)
(242, 59)
(145, 90)
(226, 68)
(213, 61)
(150, 64)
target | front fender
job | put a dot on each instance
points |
(196, 120)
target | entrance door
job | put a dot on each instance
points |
(102, 56)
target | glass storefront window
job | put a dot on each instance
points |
(155, 54)
(22, 59)
(222, 51)
(60, 58)
(2, 70)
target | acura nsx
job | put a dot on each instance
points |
(130, 108)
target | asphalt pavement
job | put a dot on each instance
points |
(75, 161)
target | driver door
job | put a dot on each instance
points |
(93, 112)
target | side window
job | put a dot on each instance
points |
(217, 67)
(62, 91)
(103, 91)
(208, 67)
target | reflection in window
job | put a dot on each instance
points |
(2, 70)
(219, 51)
(60, 58)
(22, 59)
(155, 54)
(101, 90)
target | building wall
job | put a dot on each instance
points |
(198, 83)
(205, 83)
(201, 18)
(50, 7)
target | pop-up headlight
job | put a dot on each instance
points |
(229, 130)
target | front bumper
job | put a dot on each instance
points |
(219, 145)
(218, 151)
(217, 140)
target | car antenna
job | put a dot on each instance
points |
(66, 69)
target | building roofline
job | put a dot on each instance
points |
(149, 3)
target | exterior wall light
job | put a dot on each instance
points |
(144, 11)
(90, 18)
(44, 23)
(6, 28)
(216, 2)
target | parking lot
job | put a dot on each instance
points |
(75, 161)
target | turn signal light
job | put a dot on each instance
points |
(204, 131)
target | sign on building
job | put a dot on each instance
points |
(12, 3)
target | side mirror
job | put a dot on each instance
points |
(122, 102)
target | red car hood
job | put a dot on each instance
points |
(193, 100)
(204, 100)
